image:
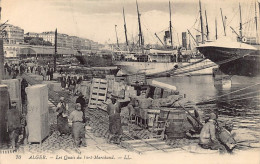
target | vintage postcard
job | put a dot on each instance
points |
(130, 81)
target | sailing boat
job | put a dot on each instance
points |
(154, 62)
(241, 57)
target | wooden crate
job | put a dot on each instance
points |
(98, 93)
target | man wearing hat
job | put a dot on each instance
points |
(13, 124)
(208, 138)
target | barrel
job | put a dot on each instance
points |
(4, 106)
(177, 123)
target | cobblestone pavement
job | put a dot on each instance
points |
(96, 134)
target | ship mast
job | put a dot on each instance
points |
(116, 37)
(1, 51)
(201, 24)
(240, 24)
(207, 26)
(126, 40)
(224, 26)
(170, 24)
(256, 23)
(140, 41)
(216, 27)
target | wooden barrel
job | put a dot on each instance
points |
(177, 119)
(4, 106)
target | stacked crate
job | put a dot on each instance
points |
(98, 93)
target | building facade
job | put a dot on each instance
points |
(31, 34)
(13, 34)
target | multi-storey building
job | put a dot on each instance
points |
(94, 45)
(31, 34)
(69, 41)
(50, 36)
(13, 34)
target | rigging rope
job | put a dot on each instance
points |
(249, 93)
(213, 99)
(242, 98)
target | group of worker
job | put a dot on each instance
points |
(77, 117)
(209, 138)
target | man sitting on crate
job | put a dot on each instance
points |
(115, 127)
(208, 139)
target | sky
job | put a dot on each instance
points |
(96, 19)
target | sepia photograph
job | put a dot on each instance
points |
(130, 81)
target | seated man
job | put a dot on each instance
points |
(208, 138)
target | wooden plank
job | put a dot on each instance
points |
(144, 149)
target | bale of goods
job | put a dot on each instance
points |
(157, 91)
(145, 103)
(157, 96)
(14, 89)
(226, 138)
(136, 79)
(38, 114)
(156, 103)
(4, 106)
(174, 98)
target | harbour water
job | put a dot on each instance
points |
(241, 107)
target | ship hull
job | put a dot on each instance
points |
(157, 68)
(247, 65)
(95, 60)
